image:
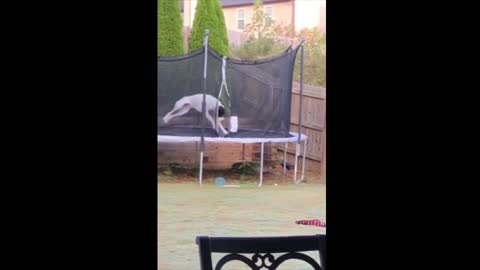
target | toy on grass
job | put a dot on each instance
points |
(220, 182)
(312, 222)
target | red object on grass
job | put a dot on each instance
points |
(312, 222)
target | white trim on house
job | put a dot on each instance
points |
(265, 10)
(272, 19)
(239, 19)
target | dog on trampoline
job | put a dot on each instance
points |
(183, 105)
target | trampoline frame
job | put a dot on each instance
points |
(295, 139)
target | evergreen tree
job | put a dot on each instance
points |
(209, 15)
(222, 31)
(170, 28)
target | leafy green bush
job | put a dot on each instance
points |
(247, 168)
(257, 48)
(266, 39)
(315, 58)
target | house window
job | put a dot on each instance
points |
(268, 11)
(240, 18)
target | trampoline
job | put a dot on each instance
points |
(206, 97)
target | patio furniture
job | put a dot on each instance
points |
(262, 249)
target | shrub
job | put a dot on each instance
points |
(315, 59)
(266, 39)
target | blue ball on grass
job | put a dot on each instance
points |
(219, 181)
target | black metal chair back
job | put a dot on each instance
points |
(262, 249)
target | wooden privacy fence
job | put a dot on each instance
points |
(313, 125)
(224, 155)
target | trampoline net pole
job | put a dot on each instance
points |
(261, 165)
(204, 104)
(303, 162)
(200, 175)
(301, 92)
(297, 151)
(324, 135)
(243, 153)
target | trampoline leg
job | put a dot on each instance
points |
(303, 162)
(297, 152)
(261, 166)
(285, 158)
(243, 154)
(200, 175)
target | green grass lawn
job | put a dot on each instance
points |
(186, 210)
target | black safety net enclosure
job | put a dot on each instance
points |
(247, 99)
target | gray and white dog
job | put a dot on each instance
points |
(183, 105)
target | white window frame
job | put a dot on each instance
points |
(265, 12)
(238, 19)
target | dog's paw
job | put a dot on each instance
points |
(222, 133)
